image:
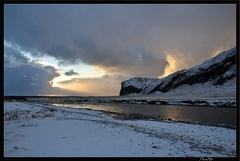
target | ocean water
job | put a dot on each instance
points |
(216, 116)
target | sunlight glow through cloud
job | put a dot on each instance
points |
(56, 81)
(171, 67)
(86, 71)
(175, 63)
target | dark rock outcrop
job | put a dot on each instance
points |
(130, 89)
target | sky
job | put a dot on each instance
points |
(89, 49)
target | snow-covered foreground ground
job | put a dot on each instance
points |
(39, 130)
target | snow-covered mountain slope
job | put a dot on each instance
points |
(215, 74)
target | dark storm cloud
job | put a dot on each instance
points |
(13, 58)
(26, 80)
(134, 61)
(19, 29)
(127, 39)
(70, 73)
(25, 77)
(50, 69)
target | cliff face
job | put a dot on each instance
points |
(216, 71)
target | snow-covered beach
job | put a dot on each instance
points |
(38, 130)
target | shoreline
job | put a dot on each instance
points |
(134, 116)
(227, 99)
(139, 116)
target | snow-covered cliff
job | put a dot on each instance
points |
(215, 74)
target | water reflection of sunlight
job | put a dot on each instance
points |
(190, 114)
(173, 113)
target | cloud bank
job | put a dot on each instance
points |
(145, 40)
